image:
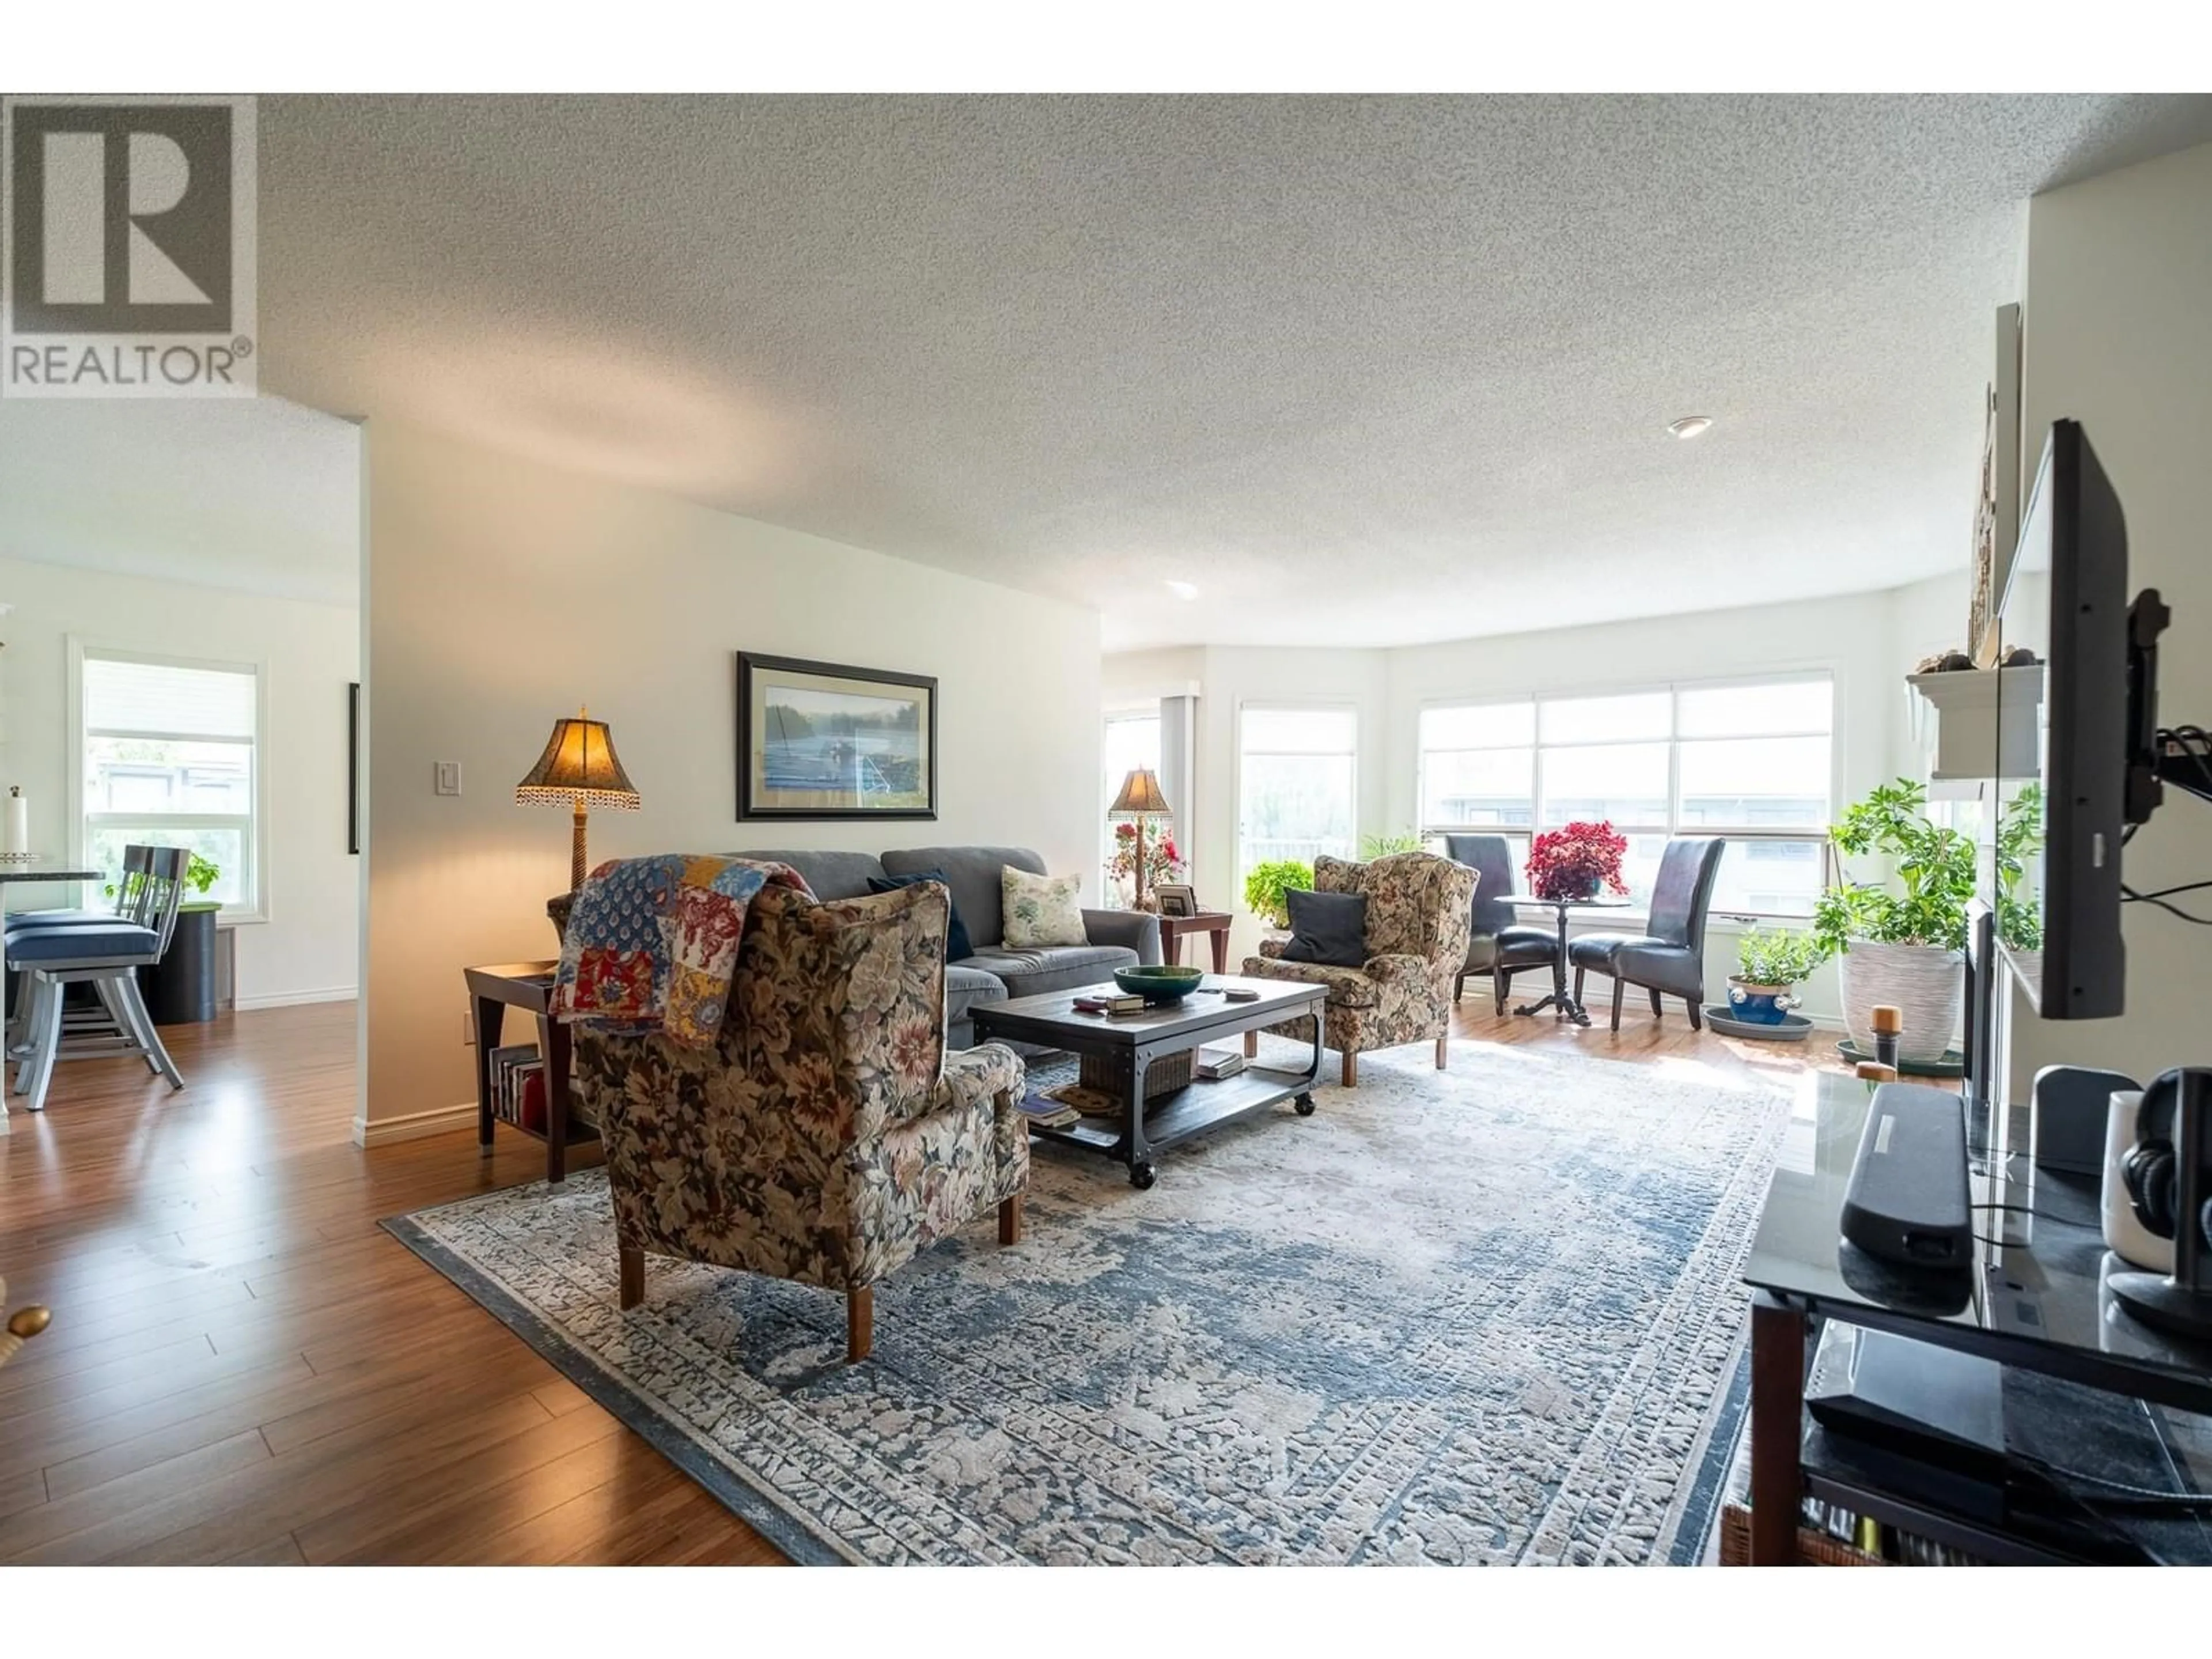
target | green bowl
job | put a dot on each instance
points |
(1159, 984)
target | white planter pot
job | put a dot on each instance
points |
(1929, 984)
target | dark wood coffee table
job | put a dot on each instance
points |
(1131, 1042)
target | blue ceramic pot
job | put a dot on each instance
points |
(1760, 1005)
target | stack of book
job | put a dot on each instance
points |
(1107, 1003)
(518, 1086)
(1214, 1064)
(1047, 1113)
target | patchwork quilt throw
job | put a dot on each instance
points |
(652, 943)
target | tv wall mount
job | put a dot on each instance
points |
(2157, 756)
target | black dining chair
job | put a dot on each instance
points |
(1500, 945)
(1669, 956)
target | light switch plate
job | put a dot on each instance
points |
(449, 777)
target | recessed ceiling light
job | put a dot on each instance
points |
(1690, 426)
(1183, 590)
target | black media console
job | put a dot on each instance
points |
(2103, 1416)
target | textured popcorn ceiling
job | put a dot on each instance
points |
(1365, 371)
(259, 496)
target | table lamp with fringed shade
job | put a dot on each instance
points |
(579, 768)
(1140, 798)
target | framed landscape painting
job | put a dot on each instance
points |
(822, 740)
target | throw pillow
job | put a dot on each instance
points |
(956, 944)
(1041, 910)
(1329, 929)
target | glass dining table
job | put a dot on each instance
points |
(1560, 1001)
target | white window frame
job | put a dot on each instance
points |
(1140, 709)
(1292, 706)
(256, 826)
(1673, 690)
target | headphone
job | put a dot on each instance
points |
(2152, 1170)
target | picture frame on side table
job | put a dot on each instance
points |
(826, 741)
(1177, 898)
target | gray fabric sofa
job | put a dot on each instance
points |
(1118, 938)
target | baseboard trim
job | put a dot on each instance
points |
(295, 998)
(370, 1133)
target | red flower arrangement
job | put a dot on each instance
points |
(1163, 858)
(1573, 862)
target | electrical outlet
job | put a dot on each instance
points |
(449, 777)
(468, 1028)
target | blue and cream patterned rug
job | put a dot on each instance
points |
(1491, 1314)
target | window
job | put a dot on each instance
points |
(1749, 760)
(1295, 782)
(1132, 739)
(168, 756)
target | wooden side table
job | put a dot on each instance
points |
(1212, 923)
(527, 986)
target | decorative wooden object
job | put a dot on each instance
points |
(1997, 507)
(22, 1325)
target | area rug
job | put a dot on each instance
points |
(1489, 1315)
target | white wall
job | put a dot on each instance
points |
(2118, 336)
(501, 593)
(1866, 642)
(307, 950)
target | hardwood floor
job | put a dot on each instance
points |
(244, 1367)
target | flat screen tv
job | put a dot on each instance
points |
(2054, 879)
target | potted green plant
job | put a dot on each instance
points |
(1267, 883)
(1769, 965)
(2020, 838)
(1382, 847)
(1906, 947)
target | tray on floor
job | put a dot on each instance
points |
(1793, 1028)
(1952, 1064)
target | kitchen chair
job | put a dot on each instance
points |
(106, 955)
(1499, 946)
(1669, 955)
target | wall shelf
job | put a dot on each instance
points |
(1955, 722)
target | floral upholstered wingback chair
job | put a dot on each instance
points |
(824, 1137)
(1418, 907)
